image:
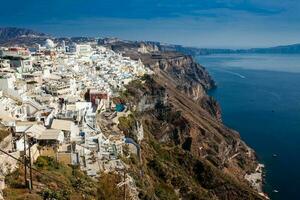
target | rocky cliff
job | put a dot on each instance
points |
(187, 152)
(183, 73)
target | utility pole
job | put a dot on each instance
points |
(30, 168)
(124, 184)
(25, 161)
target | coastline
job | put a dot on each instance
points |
(256, 180)
(272, 115)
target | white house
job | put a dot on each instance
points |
(70, 129)
(35, 131)
(51, 136)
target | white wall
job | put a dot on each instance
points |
(61, 137)
(20, 144)
(74, 132)
(6, 83)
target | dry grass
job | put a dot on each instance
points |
(3, 133)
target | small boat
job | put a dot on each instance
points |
(275, 191)
(274, 155)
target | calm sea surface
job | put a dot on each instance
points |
(260, 97)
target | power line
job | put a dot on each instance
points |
(36, 170)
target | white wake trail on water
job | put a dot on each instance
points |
(233, 73)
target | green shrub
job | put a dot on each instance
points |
(158, 169)
(165, 192)
(46, 162)
(13, 180)
(49, 194)
(41, 162)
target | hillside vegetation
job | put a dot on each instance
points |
(54, 180)
(169, 167)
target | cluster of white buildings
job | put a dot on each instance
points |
(50, 98)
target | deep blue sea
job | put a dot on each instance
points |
(260, 97)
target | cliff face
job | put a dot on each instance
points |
(183, 74)
(186, 149)
(191, 79)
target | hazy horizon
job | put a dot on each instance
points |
(208, 24)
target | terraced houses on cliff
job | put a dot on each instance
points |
(50, 98)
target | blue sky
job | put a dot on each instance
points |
(201, 23)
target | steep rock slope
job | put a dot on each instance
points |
(183, 74)
(187, 152)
